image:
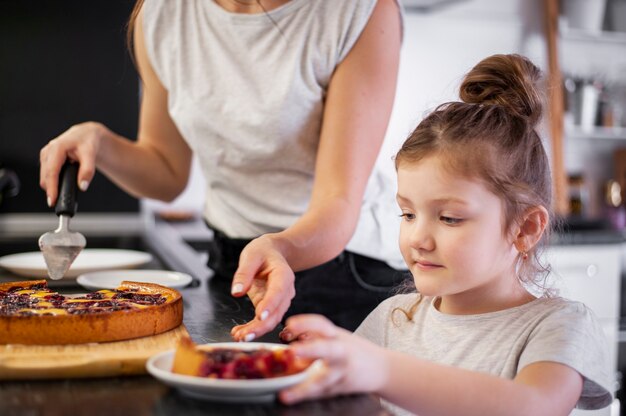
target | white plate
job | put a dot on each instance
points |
(111, 279)
(32, 264)
(160, 366)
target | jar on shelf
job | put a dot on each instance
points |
(590, 104)
(614, 209)
(578, 195)
(582, 103)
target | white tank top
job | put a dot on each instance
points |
(246, 92)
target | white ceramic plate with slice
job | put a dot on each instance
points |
(257, 390)
(111, 279)
(33, 265)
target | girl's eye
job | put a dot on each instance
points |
(450, 220)
(407, 217)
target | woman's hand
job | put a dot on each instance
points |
(266, 277)
(80, 143)
(350, 364)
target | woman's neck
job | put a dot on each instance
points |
(250, 6)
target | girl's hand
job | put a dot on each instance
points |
(266, 277)
(80, 143)
(350, 364)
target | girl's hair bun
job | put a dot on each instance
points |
(506, 80)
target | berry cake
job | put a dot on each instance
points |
(31, 313)
(237, 364)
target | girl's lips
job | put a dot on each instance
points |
(426, 265)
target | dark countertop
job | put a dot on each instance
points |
(210, 313)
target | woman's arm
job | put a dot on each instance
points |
(358, 105)
(155, 166)
(422, 387)
(356, 114)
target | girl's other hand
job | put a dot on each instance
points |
(266, 277)
(350, 364)
(80, 143)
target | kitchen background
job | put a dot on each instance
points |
(63, 62)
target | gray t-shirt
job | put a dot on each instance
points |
(499, 343)
(247, 92)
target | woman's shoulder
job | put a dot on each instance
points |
(345, 5)
(157, 7)
(162, 16)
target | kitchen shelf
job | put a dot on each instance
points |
(605, 133)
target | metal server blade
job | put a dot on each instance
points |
(61, 246)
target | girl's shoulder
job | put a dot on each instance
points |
(561, 308)
(403, 302)
(568, 332)
(376, 324)
(552, 315)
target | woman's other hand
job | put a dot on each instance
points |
(80, 143)
(268, 280)
(350, 364)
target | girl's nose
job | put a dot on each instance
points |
(421, 236)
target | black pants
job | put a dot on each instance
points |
(345, 289)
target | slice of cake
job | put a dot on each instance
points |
(234, 363)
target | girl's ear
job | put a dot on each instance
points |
(531, 228)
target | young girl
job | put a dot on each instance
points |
(474, 190)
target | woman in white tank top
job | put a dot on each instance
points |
(286, 104)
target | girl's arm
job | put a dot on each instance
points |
(357, 109)
(155, 166)
(422, 387)
(542, 388)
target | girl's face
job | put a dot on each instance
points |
(452, 238)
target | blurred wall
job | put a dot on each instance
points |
(442, 45)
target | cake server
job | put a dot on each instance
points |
(61, 246)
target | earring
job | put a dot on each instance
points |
(524, 255)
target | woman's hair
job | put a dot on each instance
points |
(130, 28)
(490, 136)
